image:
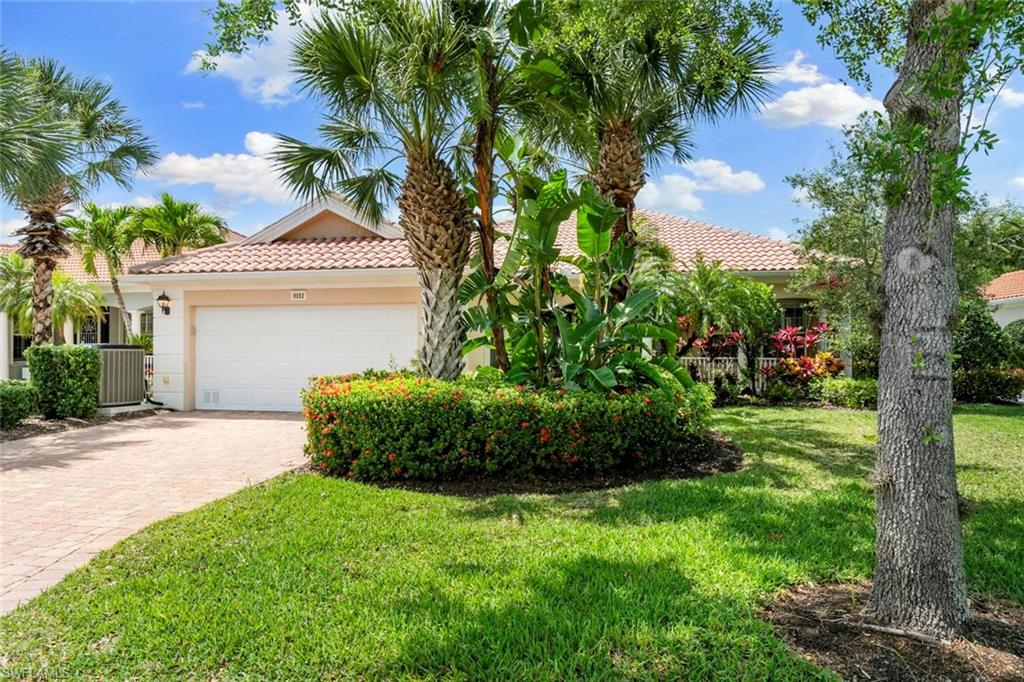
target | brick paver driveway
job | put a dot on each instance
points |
(65, 497)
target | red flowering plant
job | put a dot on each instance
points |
(800, 361)
(401, 427)
(717, 343)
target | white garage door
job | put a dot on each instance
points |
(259, 358)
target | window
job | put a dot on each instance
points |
(146, 322)
(18, 345)
(793, 316)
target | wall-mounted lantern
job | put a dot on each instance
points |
(164, 301)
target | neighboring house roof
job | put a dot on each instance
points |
(684, 237)
(1010, 285)
(140, 253)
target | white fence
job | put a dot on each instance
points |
(147, 371)
(709, 369)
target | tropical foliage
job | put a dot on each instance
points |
(107, 234)
(73, 300)
(99, 142)
(174, 226)
(404, 426)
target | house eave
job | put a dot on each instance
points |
(393, 276)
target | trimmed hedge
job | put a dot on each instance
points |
(412, 427)
(853, 393)
(67, 378)
(17, 401)
(987, 385)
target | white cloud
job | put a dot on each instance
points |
(800, 195)
(796, 71)
(674, 193)
(263, 72)
(192, 104)
(678, 192)
(829, 104)
(1018, 181)
(778, 233)
(1010, 98)
(715, 175)
(238, 177)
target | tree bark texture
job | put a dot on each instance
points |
(620, 172)
(437, 225)
(919, 575)
(42, 301)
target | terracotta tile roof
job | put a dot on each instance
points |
(343, 253)
(685, 238)
(1010, 285)
(140, 253)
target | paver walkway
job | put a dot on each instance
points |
(65, 497)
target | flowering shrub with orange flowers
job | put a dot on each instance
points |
(405, 426)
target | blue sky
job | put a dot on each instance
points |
(213, 131)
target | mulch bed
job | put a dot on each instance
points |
(720, 455)
(811, 620)
(37, 426)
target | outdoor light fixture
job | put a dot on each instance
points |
(164, 301)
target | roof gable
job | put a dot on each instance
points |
(325, 218)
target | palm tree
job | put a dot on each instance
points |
(34, 137)
(173, 226)
(389, 79)
(105, 145)
(624, 104)
(72, 300)
(107, 233)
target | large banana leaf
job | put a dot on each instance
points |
(595, 218)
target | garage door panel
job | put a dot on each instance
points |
(259, 358)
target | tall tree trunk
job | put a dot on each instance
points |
(437, 224)
(126, 317)
(42, 301)
(919, 574)
(483, 158)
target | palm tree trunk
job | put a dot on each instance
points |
(919, 558)
(483, 157)
(42, 301)
(443, 330)
(620, 172)
(126, 317)
(437, 224)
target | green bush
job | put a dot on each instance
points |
(67, 379)
(1014, 334)
(987, 385)
(412, 427)
(853, 393)
(17, 401)
(977, 339)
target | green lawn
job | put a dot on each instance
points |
(306, 577)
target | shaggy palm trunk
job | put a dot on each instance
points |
(43, 241)
(437, 225)
(620, 172)
(919, 574)
(42, 301)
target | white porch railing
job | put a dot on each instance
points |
(147, 371)
(708, 369)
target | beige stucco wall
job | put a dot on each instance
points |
(328, 224)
